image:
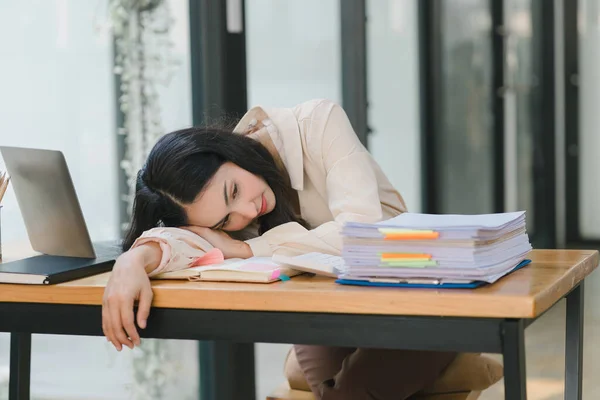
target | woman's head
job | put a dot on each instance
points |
(209, 178)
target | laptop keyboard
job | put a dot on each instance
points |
(108, 249)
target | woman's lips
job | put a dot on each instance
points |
(263, 206)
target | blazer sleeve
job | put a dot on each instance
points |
(180, 249)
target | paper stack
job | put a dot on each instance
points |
(435, 248)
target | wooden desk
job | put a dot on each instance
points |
(315, 310)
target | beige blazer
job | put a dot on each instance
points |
(336, 178)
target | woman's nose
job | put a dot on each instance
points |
(248, 210)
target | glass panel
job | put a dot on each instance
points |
(518, 109)
(463, 154)
(393, 85)
(589, 139)
(289, 61)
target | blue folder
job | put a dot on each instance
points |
(470, 285)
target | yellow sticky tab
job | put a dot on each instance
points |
(410, 264)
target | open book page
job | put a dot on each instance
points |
(254, 269)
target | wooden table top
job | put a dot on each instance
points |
(526, 293)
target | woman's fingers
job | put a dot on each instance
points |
(118, 334)
(128, 325)
(144, 304)
(106, 327)
(128, 282)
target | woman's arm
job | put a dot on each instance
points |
(351, 180)
(157, 250)
(179, 248)
(147, 255)
(129, 282)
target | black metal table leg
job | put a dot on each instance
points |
(513, 352)
(574, 344)
(20, 366)
(227, 371)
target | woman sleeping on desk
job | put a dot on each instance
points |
(285, 180)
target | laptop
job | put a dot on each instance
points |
(54, 221)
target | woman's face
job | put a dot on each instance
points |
(231, 200)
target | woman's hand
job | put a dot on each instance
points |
(230, 247)
(129, 282)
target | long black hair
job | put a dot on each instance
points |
(180, 165)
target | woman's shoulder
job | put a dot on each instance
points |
(322, 122)
(314, 108)
(293, 129)
(317, 108)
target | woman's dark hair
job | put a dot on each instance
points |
(180, 165)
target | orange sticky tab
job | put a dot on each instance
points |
(412, 236)
(405, 256)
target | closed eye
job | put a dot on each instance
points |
(234, 193)
(225, 222)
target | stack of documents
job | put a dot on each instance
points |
(430, 248)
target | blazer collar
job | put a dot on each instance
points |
(281, 125)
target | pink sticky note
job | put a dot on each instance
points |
(213, 256)
(276, 274)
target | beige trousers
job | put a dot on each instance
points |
(342, 373)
